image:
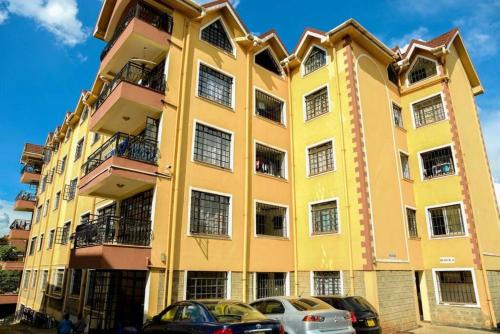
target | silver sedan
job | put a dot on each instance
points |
(305, 315)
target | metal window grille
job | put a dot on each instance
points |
(438, 163)
(50, 242)
(79, 149)
(266, 60)
(215, 34)
(212, 146)
(321, 158)
(271, 284)
(215, 86)
(70, 190)
(76, 281)
(405, 166)
(269, 161)
(63, 234)
(209, 213)
(43, 184)
(270, 220)
(327, 283)
(58, 282)
(315, 60)
(447, 221)
(50, 175)
(57, 199)
(96, 136)
(422, 69)
(32, 246)
(85, 114)
(268, 107)
(38, 214)
(411, 220)
(206, 285)
(456, 287)
(325, 218)
(317, 103)
(429, 111)
(392, 75)
(61, 164)
(85, 219)
(47, 154)
(398, 115)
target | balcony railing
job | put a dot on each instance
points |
(137, 74)
(145, 13)
(30, 168)
(113, 230)
(125, 146)
(20, 224)
(26, 196)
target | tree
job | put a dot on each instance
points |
(9, 281)
(8, 253)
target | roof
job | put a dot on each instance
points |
(272, 34)
(218, 4)
(441, 40)
(308, 33)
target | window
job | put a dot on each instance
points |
(50, 241)
(95, 138)
(446, 221)
(270, 220)
(68, 134)
(43, 280)
(327, 283)
(58, 281)
(57, 199)
(316, 103)
(85, 114)
(85, 218)
(70, 190)
(266, 59)
(422, 69)
(209, 213)
(27, 274)
(32, 246)
(437, 163)
(43, 184)
(270, 161)
(212, 146)
(215, 86)
(270, 285)
(411, 220)
(405, 165)
(76, 282)
(321, 158)
(89, 287)
(316, 59)
(46, 207)
(38, 214)
(65, 233)
(40, 242)
(33, 279)
(216, 34)
(392, 74)
(50, 176)
(455, 287)
(61, 165)
(269, 107)
(325, 217)
(398, 115)
(206, 285)
(428, 111)
(79, 149)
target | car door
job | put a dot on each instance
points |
(190, 319)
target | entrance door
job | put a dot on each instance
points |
(418, 277)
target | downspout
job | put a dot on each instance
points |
(169, 279)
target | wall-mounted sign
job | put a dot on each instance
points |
(446, 260)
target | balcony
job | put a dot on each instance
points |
(109, 242)
(134, 94)
(124, 165)
(32, 152)
(143, 32)
(31, 173)
(25, 201)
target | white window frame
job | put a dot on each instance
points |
(421, 167)
(233, 86)
(42, 273)
(283, 121)
(231, 160)
(407, 80)
(429, 221)
(438, 295)
(412, 110)
(287, 217)
(308, 147)
(416, 222)
(83, 214)
(54, 279)
(304, 110)
(255, 142)
(311, 280)
(310, 218)
(224, 26)
(282, 75)
(228, 281)
(230, 215)
(302, 67)
(394, 103)
(287, 282)
(49, 244)
(401, 165)
(57, 200)
(26, 279)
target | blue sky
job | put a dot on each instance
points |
(49, 56)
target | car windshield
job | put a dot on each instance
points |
(306, 304)
(226, 312)
(358, 304)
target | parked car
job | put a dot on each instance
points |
(211, 317)
(305, 315)
(364, 316)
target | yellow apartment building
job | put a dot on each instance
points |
(207, 162)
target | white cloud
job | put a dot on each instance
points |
(421, 33)
(56, 16)
(7, 215)
(81, 57)
(4, 15)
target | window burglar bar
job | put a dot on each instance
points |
(26, 196)
(423, 68)
(209, 213)
(438, 163)
(327, 283)
(125, 146)
(270, 284)
(212, 146)
(215, 86)
(215, 34)
(206, 285)
(70, 190)
(145, 13)
(61, 164)
(411, 217)
(317, 103)
(268, 107)
(270, 220)
(398, 115)
(137, 74)
(428, 111)
(315, 60)
(456, 287)
(269, 161)
(447, 221)
(321, 158)
(325, 217)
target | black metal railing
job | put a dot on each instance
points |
(20, 224)
(137, 74)
(26, 196)
(31, 168)
(113, 230)
(145, 13)
(126, 146)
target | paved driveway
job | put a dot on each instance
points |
(433, 329)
